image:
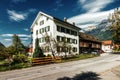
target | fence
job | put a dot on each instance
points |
(45, 60)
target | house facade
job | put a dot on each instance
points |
(58, 30)
(88, 43)
(107, 46)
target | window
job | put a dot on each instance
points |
(58, 49)
(42, 30)
(64, 39)
(65, 30)
(68, 31)
(41, 22)
(48, 28)
(58, 38)
(73, 40)
(68, 40)
(59, 28)
(74, 49)
(47, 18)
(36, 32)
(62, 29)
(72, 32)
(75, 33)
(43, 39)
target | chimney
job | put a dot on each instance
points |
(65, 19)
(117, 8)
(74, 23)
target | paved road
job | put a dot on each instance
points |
(55, 71)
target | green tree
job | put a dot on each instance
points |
(19, 47)
(114, 19)
(37, 51)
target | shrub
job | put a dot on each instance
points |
(20, 58)
(48, 55)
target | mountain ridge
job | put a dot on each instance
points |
(101, 31)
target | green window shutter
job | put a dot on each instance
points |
(45, 29)
(48, 28)
(40, 40)
(42, 30)
(36, 32)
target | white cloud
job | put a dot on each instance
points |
(16, 16)
(8, 39)
(89, 19)
(25, 29)
(24, 39)
(93, 5)
(20, 35)
(6, 35)
(20, 16)
(24, 35)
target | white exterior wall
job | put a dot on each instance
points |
(107, 48)
(48, 22)
(57, 33)
(53, 31)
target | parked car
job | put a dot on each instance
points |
(84, 52)
(95, 52)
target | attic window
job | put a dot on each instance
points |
(47, 18)
(41, 22)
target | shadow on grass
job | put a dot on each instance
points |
(83, 76)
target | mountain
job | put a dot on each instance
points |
(101, 31)
(1, 45)
(89, 28)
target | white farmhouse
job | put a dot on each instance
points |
(57, 29)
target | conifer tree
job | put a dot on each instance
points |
(19, 47)
(37, 51)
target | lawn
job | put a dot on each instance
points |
(79, 57)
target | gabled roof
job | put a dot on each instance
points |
(38, 15)
(53, 18)
(66, 23)
(107, 42)
(84, 36)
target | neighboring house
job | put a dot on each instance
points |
(57, 30)
(88, 43)
(30, 50)
(107, 46)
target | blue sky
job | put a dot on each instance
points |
(16, 16)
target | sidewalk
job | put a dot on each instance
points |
(104, 54)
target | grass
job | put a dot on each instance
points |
(4, 66)
(15, 66)
(79, 57)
